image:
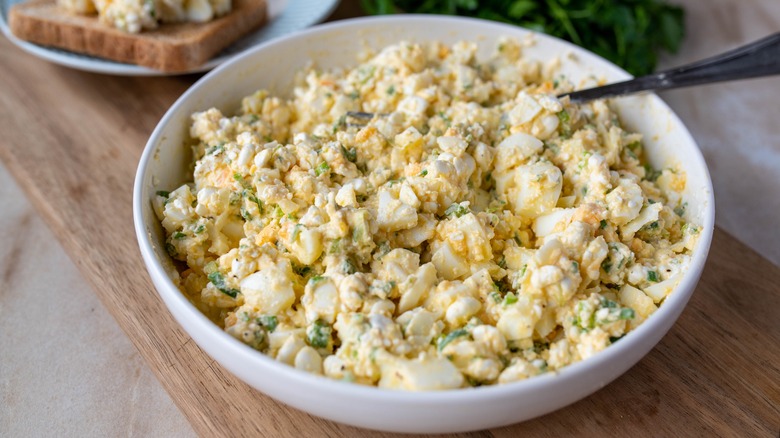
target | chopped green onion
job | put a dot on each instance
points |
(606, 265)
(680, 209)
(319, 334)
(627, 313)
(269, 322)
(350, 154)
(347, 267)
(218, 280)
(457, 210)
(565, 120)
(322, 168)
(301, 270)
(296, 231)
(214, 150)
(650, 173)
(316, 279)
(335, 246)
(340, 123)
(451, 337)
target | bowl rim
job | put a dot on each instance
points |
(172, 296)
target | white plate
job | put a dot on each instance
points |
(287, 16)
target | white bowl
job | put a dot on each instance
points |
(165, 163)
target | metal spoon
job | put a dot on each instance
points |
(759, 58)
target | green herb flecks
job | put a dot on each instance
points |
(269, 322)
(218, 280)
(565, 123)
(606, 265)
(341, 123)
(322, 168)
(296, 232)
(301, 270)
(680, 209)
(650, 173)
(456, 210)
(382, 250)
(630, 33)
(335, 246)
(248, 194)
(350, 154)
(652, 276)
(444, 341)
(240, 180)
(316, 279)
(215, 150)
(381, 288)
(149, 4)
(347, 267)
(609, 304)
(318, 334)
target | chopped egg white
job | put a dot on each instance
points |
(478, 230)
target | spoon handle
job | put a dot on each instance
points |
(759, 58)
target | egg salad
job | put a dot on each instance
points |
(133, 16)
(471, 229)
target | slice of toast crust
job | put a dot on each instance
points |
(170, 48)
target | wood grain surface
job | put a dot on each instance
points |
(73, 139)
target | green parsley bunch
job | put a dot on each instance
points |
(630, 33)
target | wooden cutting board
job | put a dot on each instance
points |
(72, 140)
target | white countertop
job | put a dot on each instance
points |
(66, 369)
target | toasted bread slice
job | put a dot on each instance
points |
(169, 48)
